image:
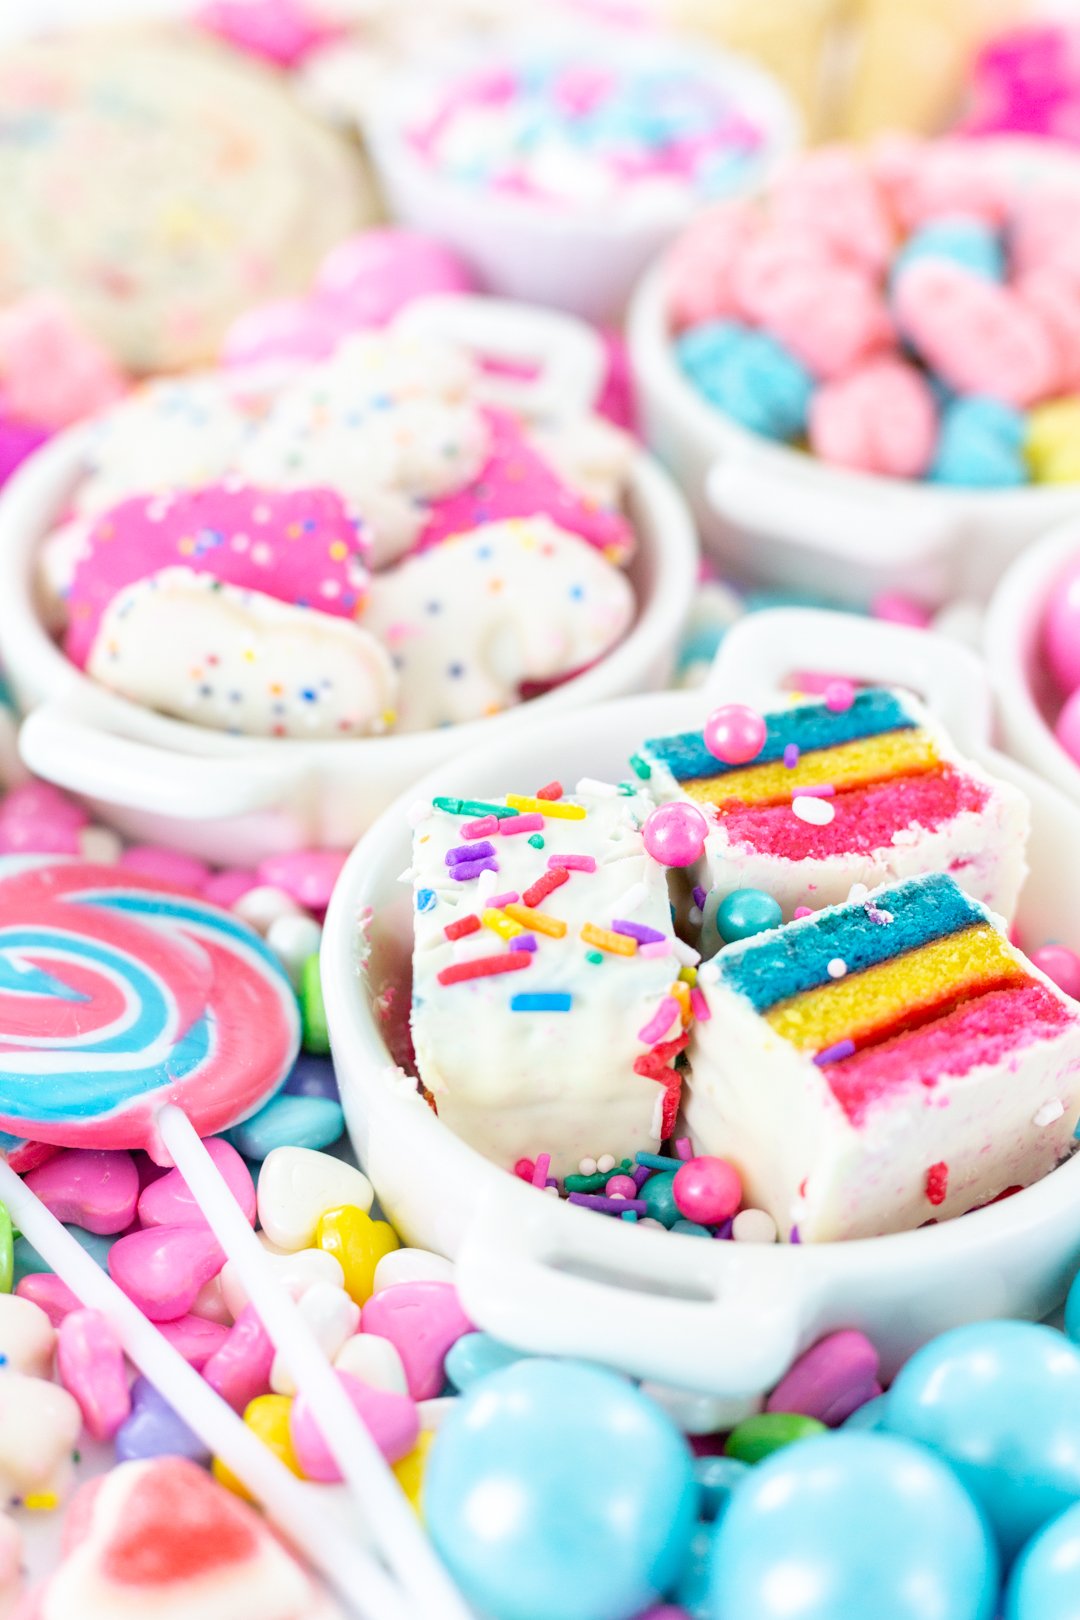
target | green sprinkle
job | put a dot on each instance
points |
(595, 957)
(316, 1035)
(598, 1181)
(474, 807)
(537, 841)
(7, 1252)
(640, 767)
(760, 1436)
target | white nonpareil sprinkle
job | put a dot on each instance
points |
(817, 812)
(420, 810)
(836, 968)
(696, 916)
(605, 1163)
(857, 892)
(587, 1167)
(686, 954)
(599, 790)
(709, 973)
(1049, 1112)
(753, 1226)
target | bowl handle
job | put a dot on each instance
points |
(57, 743)
(526, 1290)
(569, 355)
(762, 648)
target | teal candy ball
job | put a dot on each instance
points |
(746, 912)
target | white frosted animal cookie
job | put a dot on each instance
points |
(235, 660)
(469, 622)
(161, 185)
(592, 455)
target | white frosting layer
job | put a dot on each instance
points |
(518, 1084)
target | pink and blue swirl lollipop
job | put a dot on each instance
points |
(119, 994)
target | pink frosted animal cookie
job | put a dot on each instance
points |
(299, 547)
(162, 1539)
(879, 419)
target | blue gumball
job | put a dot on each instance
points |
(558, 1489)
(852, 1527)
(1045, 1582)
(1000, 1401)
(1072, 1311)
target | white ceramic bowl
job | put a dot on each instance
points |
(238, 799)
(1011, 634)
(585, 259)
(720, 1317)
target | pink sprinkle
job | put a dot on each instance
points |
(683, 1150)
(573, 863)
(825, 790)
(803, 911)
(482, 828)
(700, 1006)
(497, 901)
(520, 824)
(654, 947)
(540, 1170)
(660, 1022)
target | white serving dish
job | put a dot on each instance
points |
(1011, 633)
(718, 1317)
(238, 799)
(584, 259)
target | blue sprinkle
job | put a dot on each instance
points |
(542, 1001)
(425, 899)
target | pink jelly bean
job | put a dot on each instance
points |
(240, 1369)
(38, 818)
(163, 1268)
(978, 336)
(1061, 627)
(95, 1190)
(288, 329)
(833, 1379)
(391, 1419)
(423, 1320)
(1067, 726)
(368, 277)
(195, 1338)
(1061, 965)
(90, 1362)
(307, 875)
(226, 888)
(880, 419)
(169, 1200)
(55, 1298)
(166, 865)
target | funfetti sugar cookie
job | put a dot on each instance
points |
(863, 787)
(161, 184)
(162, 1539)
(238, 660)
(470, 622)
(547, 1007)
(883, 1063)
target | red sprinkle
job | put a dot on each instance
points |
(485, 967)
(463, 926)
(552, 791)
(937, 1182)
(543, 886)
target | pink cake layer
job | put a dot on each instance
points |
(985, 1029)
(865, 818)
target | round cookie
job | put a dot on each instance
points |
(161, 184)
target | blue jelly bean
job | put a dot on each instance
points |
(1045, 1580)
(288, 1121)
(750, 377)
(869, 1416)
(960, 239)
(154, 1429)
(557, 1489)
(27, 1261)
(745, 912)
(478, 1355)
(1000, 1401)
(717, 1477)
(852, 1527)
(312, 1076)
(980, 445)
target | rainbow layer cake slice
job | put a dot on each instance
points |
(873, 792)
(883, 1063)
(548, 1009)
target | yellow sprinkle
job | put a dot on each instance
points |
(338, 550)
(389, 717)
(681, 993)
(42, 1501)
(606, 940)
(185, 547)
(249, 655)
(553, 809)
(500, 924)
(542, 922)
(849, 765)
(688, 975)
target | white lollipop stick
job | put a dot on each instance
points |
(400, 1538)
(292, 1506)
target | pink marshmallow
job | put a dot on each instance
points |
(881, 419)
(52, 372)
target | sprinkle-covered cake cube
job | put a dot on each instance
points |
(883, 1063)
(865, 793)
(550, 995)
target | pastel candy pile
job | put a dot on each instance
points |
(912, 310)
(566, 132)
(919, 1063)
(865, 788)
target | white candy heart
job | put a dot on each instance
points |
(39, 1425)
(411, 1265)
(27, 1338)
(296, 1272)
(702, 1414)
(375, 1361)
(298, 1185)
(332, 1317)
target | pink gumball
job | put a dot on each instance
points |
(1067, 729)
(734, 734)
(1061, 965)
(839, 696)
(1061, 634)
(707, 1190)
(675, 834)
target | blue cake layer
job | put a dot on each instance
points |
(810, 726)
(796, 957)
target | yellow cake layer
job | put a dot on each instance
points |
(850, 765)
(856, 1005)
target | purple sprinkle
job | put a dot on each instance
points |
(464, 870)
(524, 942)
(497, 901)
(699, 897)
(794, 1238)
(725, 1228)
(639, 931)
(609, 1206)
(791, 755)
(833, 1054)
(642, 1174)
(469, 852)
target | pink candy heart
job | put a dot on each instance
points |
(880, 419)
(95, 1190)
(833, 1379)
(169, 1201)
(391, 1419)
(308, 875)
(163, 1268)
(196, 1339)
(90, 1363)
(240, 1369)
(55, 1298)
(422, 1320)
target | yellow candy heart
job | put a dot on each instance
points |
(1052, 445)
(358, 1243)
(410, 1470)
(268, 1417)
